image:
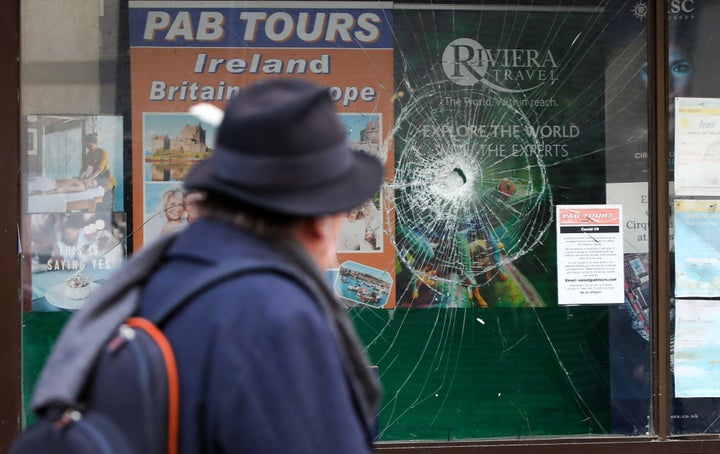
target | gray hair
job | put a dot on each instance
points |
(246, 217)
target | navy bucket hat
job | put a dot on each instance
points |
(282, 147)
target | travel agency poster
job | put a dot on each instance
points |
(186, 53)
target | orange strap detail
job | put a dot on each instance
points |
(172, 378)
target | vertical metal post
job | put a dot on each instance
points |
(10, 305)
(659, 214)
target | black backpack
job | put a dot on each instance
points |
(129, 402)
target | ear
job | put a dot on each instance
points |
(315, 228)
(323, 226)
(316, 235)
(326, 227)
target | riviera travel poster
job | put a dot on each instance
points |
(496, 122)
(186, 53)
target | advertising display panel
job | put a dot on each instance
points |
(187, 53)
(73, 221)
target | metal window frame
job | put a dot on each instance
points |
(10, 284)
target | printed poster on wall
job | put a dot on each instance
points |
(697, 147)
(590, 254)
(697, 248)
(73, 227)
(697, 348)
(186, 53)
(496, 122)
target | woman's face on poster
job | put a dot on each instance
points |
(680, 74)
(680, 71)
(174, 207)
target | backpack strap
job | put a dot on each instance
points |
(221, 271)
(85, 334)
(184, 294)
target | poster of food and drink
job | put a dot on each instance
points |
(73, 225)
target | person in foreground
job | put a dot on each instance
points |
(266, 365)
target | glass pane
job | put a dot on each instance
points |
(693, 125)
(502, 114)
(486, 313)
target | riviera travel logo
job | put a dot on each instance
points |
(466, 62)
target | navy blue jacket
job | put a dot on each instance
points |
(259, 364)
